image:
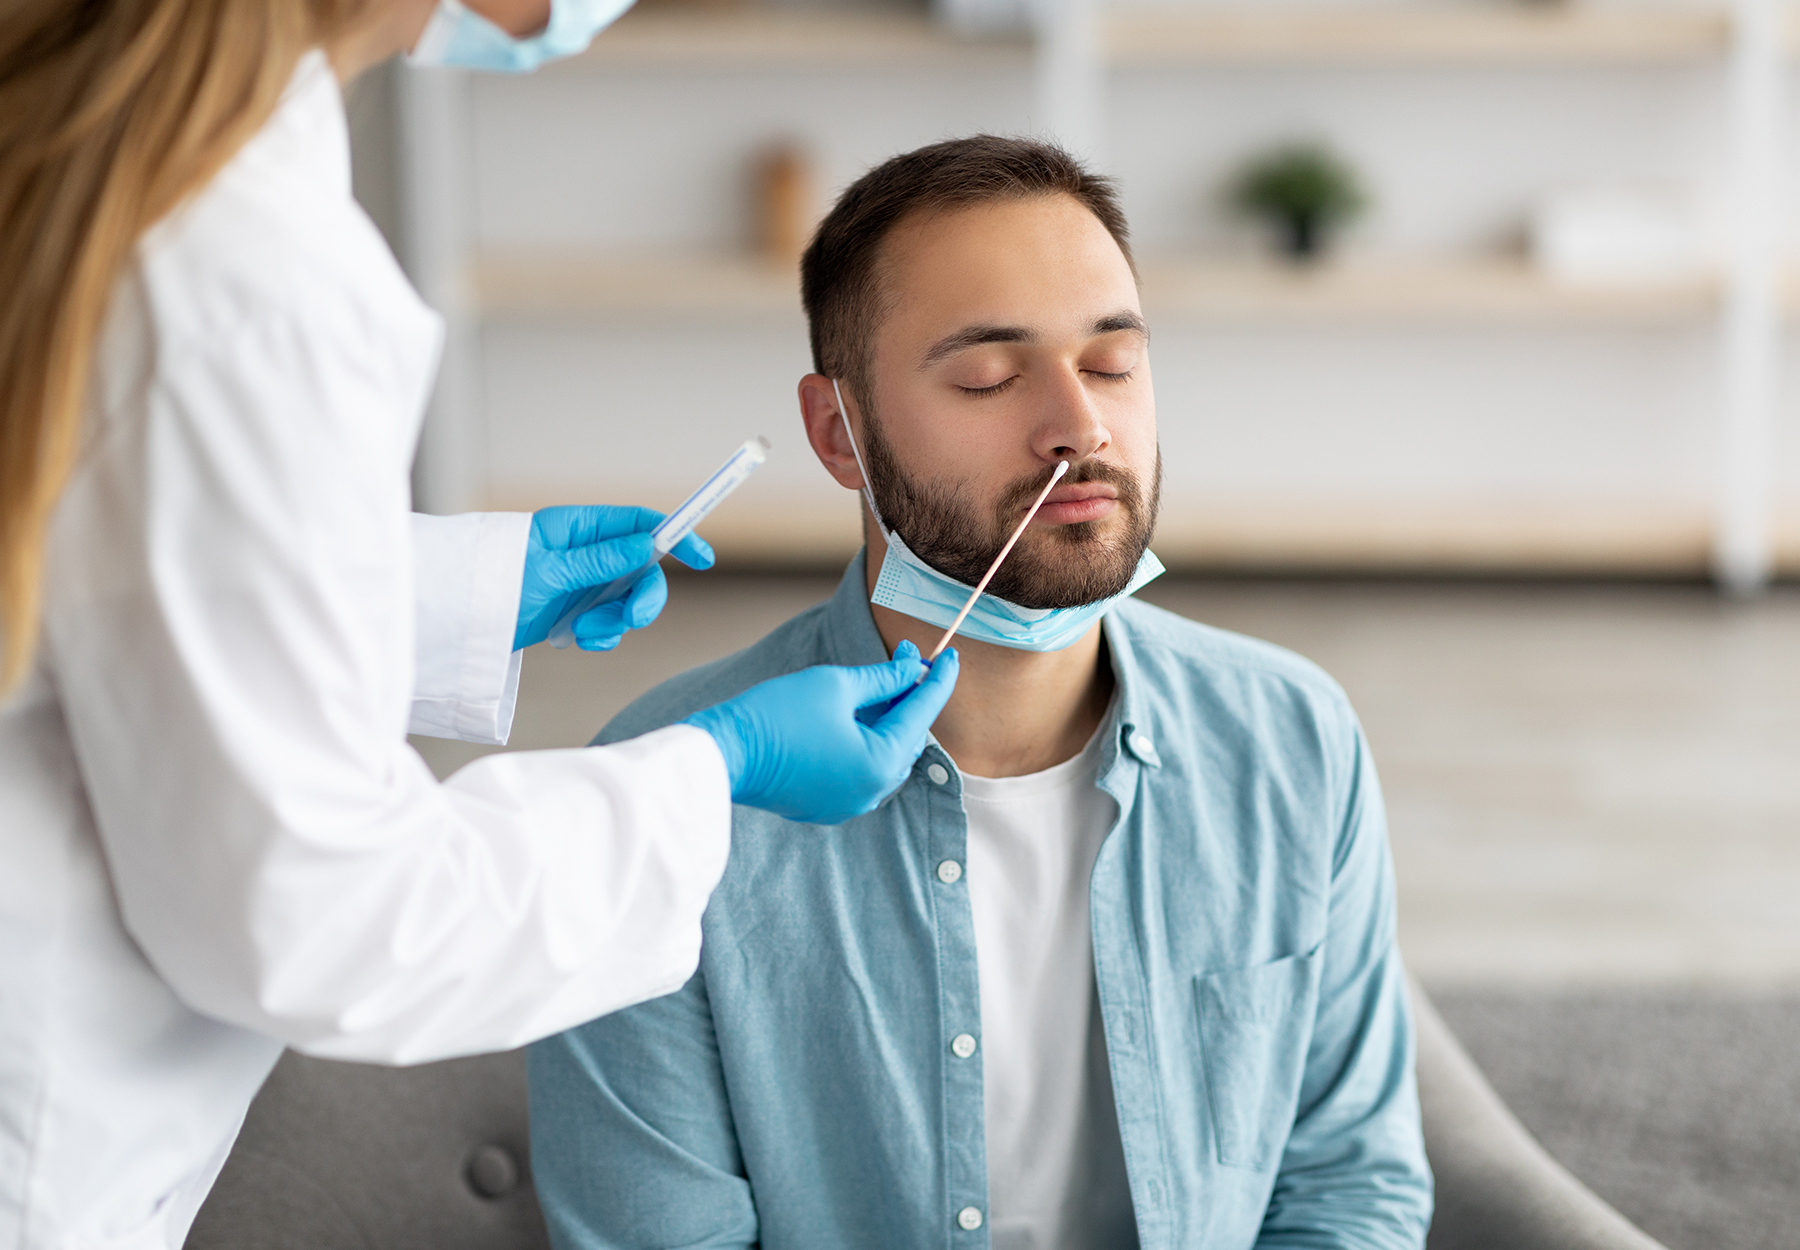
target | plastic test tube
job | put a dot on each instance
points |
(673, 528)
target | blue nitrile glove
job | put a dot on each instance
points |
(571, 549)
(828, 743)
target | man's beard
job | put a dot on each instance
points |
(1070, 565)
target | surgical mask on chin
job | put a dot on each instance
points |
(458, 36)
(909, 585)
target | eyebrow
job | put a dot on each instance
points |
(974, 336)
(1124, 320)
(978, 335)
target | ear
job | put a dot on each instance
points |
(825, 429)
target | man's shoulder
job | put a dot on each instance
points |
(795, 644)
(1177, 653)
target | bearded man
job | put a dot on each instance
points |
(1115, 967)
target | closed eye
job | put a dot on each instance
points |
(983, 391)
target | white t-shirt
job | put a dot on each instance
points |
(1056, 1169)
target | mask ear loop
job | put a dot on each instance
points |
(868, 490)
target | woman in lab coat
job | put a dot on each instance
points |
(219, 622)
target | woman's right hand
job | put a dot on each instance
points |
(828, 743)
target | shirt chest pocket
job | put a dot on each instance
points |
(1255, 1026)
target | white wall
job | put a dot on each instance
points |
(654, 159)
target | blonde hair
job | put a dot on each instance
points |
(112, 112)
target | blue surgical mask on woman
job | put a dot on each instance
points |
(909, 585)
(458, 36)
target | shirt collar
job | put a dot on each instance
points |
(1134, 727)
(850, 633)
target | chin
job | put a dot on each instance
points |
(1115, 531)
(1085, 564)
(1083, 533)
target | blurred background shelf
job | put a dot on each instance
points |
(550, 286)
(1206, 291)
(698, 37)
(1150, 37)
(1412, 537)
(1470, 290)
(1297, 537)
(1470, 35)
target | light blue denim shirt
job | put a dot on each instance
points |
(801, 1093)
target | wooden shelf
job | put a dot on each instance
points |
(598, 286)
(1460, 290)
(558, 287)
(820, 41)
(818, 528)
(686, 38)
(1492, 35)
(1472, 536)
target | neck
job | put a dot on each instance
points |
(392, 27)
(1014, 712)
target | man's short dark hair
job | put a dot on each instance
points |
(840, 279)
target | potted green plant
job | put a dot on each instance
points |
(1302, 189)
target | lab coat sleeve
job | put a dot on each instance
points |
(231, 633)
(467, 571)
(1354, 1173)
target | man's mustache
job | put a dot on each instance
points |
(1020, 495)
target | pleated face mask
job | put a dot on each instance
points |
(907, 584)
(456, 35)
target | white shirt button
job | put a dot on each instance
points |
(949, 872)
(1142, 746)
(962, 1045)
(938, 774)
(969, 1218)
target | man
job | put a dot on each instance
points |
(1116, 965)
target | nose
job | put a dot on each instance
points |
(1070, 426)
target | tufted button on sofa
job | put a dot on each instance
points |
(347, 1157)
(343, 1156)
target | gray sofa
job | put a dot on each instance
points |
(1497, 1189)
(346, 1157)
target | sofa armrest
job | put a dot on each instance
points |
(1497, 1189)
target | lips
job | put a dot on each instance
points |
(1075, 492)
(1077, 502)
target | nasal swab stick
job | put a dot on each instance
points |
(1062, 467)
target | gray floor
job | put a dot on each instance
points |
(1593, 785)
(1594, 798)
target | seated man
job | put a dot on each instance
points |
(1116, 965)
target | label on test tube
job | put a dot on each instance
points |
(672, 529)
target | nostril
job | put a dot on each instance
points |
(492, 1171)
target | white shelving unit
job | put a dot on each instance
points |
(768, 39)
(1463, 35)
(498, 291)
(1475, 291)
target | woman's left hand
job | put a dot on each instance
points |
(573, 549)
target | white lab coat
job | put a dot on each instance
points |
(214, 838)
